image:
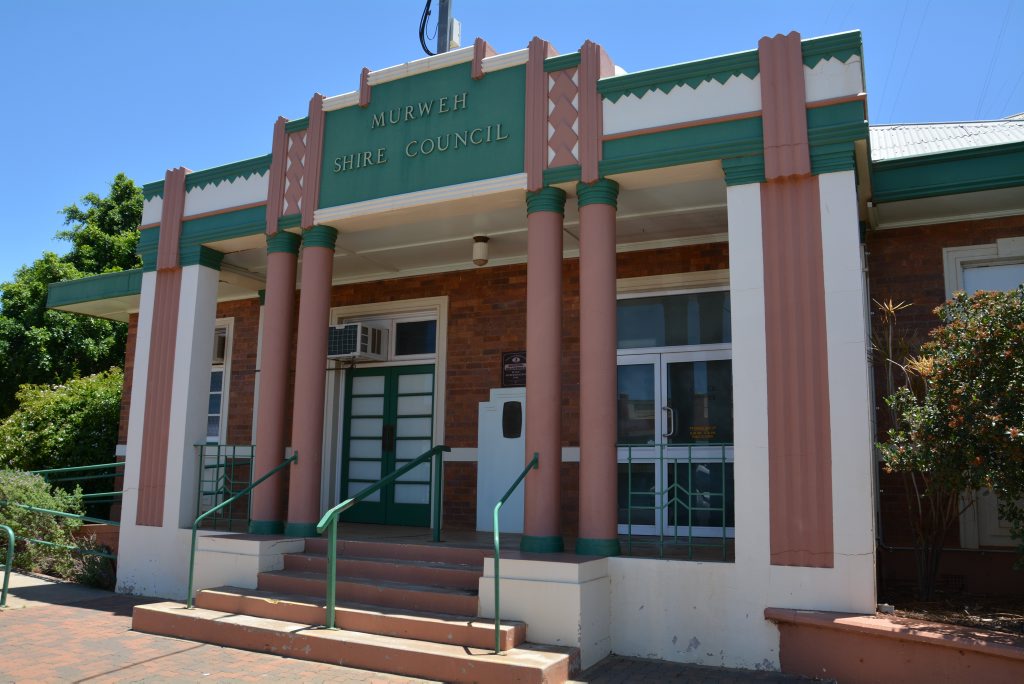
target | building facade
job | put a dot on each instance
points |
(657, 282)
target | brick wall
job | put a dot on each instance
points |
(486, 316)
(906, 265)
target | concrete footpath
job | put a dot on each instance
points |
(59, 632)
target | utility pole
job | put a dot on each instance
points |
(448, 29)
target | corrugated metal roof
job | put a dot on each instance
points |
(910, 140)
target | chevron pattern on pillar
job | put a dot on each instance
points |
(563, 118)
(294, 172)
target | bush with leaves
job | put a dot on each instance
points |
(964, 430)
(24, 488)
(66, 425)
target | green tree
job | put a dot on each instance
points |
(40, 346)
(62, 426)
(963, 429)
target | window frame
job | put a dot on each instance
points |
(228, 325)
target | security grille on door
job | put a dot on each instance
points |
(357, 342)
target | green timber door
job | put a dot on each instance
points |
(389, 421)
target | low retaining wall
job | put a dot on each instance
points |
(878, 648)
(107, 535)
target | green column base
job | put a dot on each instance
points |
(300, 530)
(266, 527)
(597, 547)
(541, 544)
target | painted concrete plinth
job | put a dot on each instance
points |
(564, 599)
(237, 559)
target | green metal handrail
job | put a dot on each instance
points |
(7, 567)
(195, 526)
(69, 469)
(534, 463)
(61, 514)
(331, 517)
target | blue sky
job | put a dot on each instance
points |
(92, 88)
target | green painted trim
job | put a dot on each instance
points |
(832, 158)
(297, 125)
(283, 241)
(289, 221)
(844, 122)
(666, 78)
(262, 294)
(601, 191)
(319, 236)
(562, 62)
(562, 174)
(228, 172)
(842, 46)
(226, 226)
(149, 240)
(532, 544)
(300, 530)
(739, 138)
(266, 527)
(597, 547)
(198, 255)
(154, 189)
(546, 199)
(947, 173)
(743, 170)
(94, 288)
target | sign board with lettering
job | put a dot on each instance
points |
(426, 131)
(513, 369)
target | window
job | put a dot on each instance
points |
(217, 408)
(998, 266)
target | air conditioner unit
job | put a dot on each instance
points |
(357, 342)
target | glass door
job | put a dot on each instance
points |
(675, 443)
(389, 418)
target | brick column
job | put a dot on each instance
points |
(271, 440)
(310, 364)
(598, 534)
(545, 209)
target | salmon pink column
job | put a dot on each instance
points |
(598, 469)
(271, 440)
(310, 364)
(545, 211)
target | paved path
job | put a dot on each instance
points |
(59, 632)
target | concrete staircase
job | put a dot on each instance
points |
(403, 608)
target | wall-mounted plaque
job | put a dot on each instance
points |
(513, 369)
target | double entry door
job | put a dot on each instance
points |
(388, 421)
(675, 435)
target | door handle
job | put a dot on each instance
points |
(387, 438)
(671, 432)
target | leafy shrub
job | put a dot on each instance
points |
(66, 425)
(960, 419)
(24, 488)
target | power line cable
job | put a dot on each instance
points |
(423, 28)
(899, 34)
(992, 62)
(910, 59)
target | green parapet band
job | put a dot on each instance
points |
(320, 236)
(283, 241)
(546, 199)
(197, 255)
(263, 296)
(541, 544)
(289, 221)
(266, 527)
(597, 547)
(601, 191)
(300, 530)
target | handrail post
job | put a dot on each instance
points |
(533, 464)
(332, 570)
(7, 567)
(438, 459)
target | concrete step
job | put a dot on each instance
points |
(445, 662)
(439, 553)
(354, 617)
(430, 573)
(418, 597)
